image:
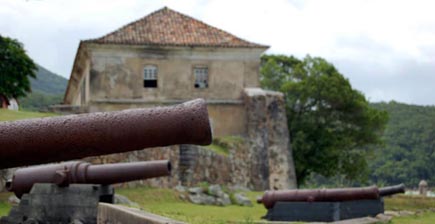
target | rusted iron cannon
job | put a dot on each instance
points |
(390, 190)
(78, 172)
(38, 141)
(269, 198)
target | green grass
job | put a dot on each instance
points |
(9, 115)
(425, 218)
(218, 149)
(423, 206)
(167, 203)
(222, 145)
(4, 205)
(409, 203)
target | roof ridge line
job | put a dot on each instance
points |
(225, 39)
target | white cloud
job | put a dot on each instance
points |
(370, 41)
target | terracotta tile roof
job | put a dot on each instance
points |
(167, 27)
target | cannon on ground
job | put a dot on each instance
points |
(269, 198)
(326, 204)
(64, 174)
(55, 139)
(390, 190)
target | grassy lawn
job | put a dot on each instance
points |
(4, 205)
(425, 218)
(409, 203)
(166, 202)
(424, 206)
(9, 115)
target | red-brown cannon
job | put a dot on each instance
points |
(78, 172)
(269, 198)
(55, 139)
(390, 190)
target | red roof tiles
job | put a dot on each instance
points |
(170, 28)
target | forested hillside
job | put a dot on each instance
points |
(48, 82)
(408, 155)
(47, 89)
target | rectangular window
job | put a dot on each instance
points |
(201, 77)
(150, 76)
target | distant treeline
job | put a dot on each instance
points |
(409, 152)
(47, 89)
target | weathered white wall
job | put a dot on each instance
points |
(118, 73)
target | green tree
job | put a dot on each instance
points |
(331, 126)
(409, 151)
(15, 68)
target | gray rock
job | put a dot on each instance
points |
(13, 200)
(120, 199)
(202, 199)
(223, 201)
(195, 190)
(76, 221)
(195, 199)
(238, 188)
(242, 200)
(180, 188)
(209, 200)
(384, 218)
(216, 190)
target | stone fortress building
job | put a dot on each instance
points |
(167, 58)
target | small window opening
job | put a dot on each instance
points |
(201, 77)
(150, 76)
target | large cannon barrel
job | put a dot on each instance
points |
(38, 141)
(80, 172)
(390, 190)
(269, 198)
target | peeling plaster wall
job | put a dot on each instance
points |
(225, 118)
(112, 79)
(118, 73)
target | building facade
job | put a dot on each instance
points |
(167, 58)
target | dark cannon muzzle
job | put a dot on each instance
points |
(390, 190)
(340, 194)
(64, 174)
(44, 140)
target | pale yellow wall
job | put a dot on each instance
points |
(114, 80)
(119, 75)
(225, 119)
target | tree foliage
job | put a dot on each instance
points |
(47, 89)
(409, 150)
(15, 68)
(331, 126)
(40, 101)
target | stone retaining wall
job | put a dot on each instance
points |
(261, 161)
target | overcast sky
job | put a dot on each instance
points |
(385, 48)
